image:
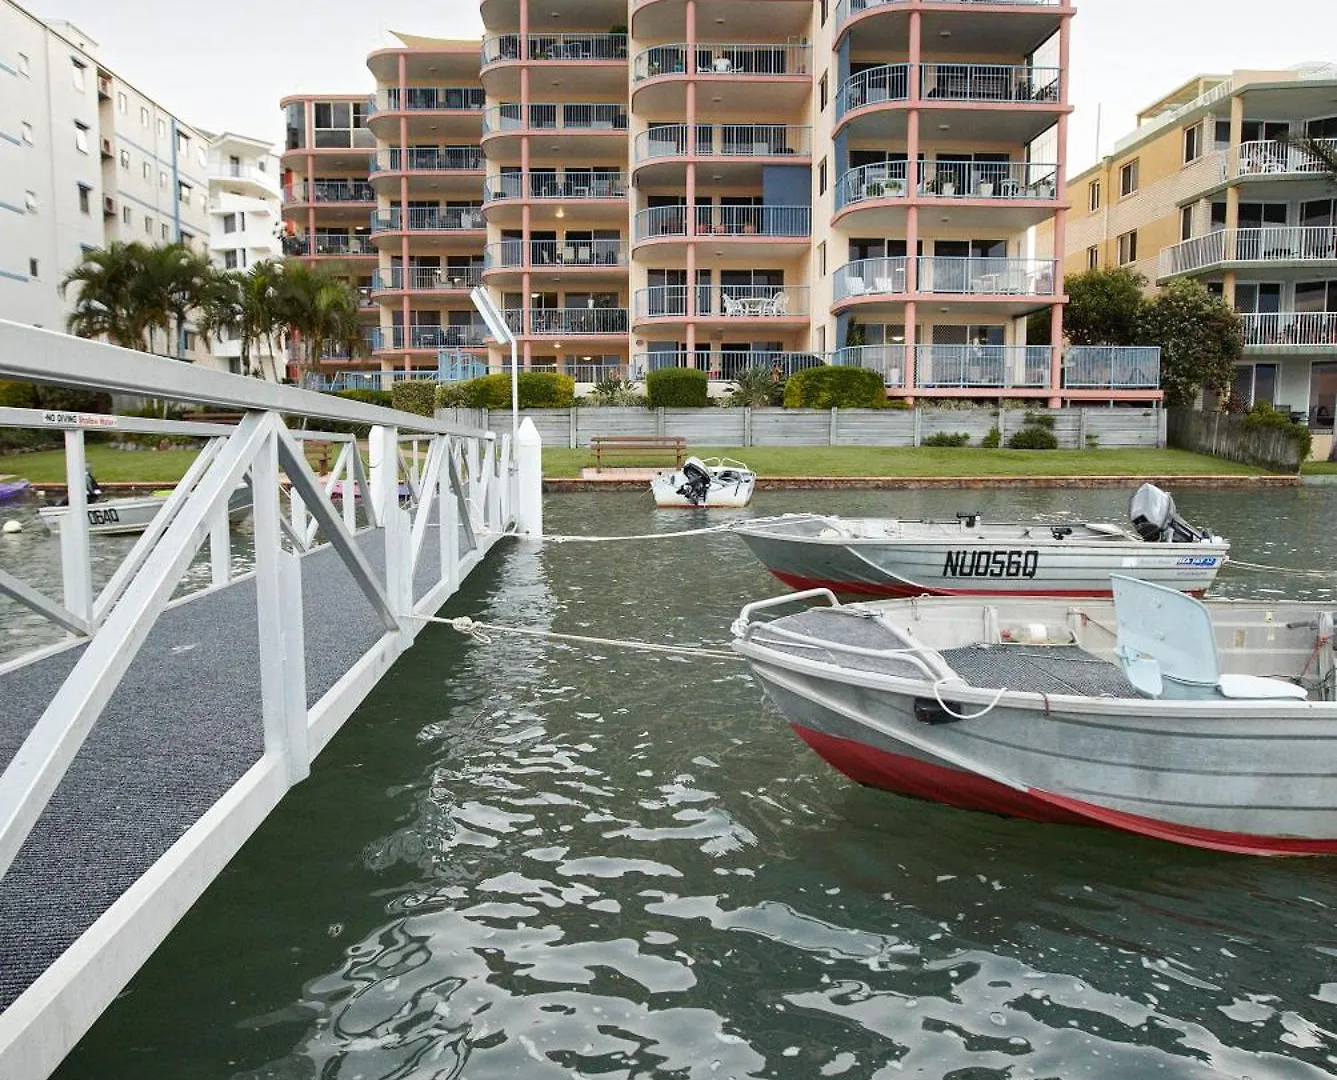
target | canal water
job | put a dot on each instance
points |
(528, 859)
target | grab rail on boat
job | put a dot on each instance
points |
(744, 620)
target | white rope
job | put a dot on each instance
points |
(967, 716)
(723, 527)
(1264, 568)
(483, 632)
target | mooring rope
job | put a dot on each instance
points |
(1264, 568)
(483, 632)
(726, 526)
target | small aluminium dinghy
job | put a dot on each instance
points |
(708, 482)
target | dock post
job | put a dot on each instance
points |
(529, 481)
(75, 563)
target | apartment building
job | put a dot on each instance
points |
(85, 159)
(244, 222)
(719, 184)
(1215, 185)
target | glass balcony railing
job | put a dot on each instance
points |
(568, 185)
(763, 60)
(428, 219)
(1109, 367)
(429, 159)
(467, 99)
(426, 278)
(555, 47)
(726, 301)
(601, 117)
(724, 141)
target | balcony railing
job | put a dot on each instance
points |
(555, 253)
(601, 117)
(882, 180)
(660, 221)
(428, 219)
(999, 180)
(771, 221)
(1110, 367)
(336, 244)
(1290, 329)
(958, 366)
(725, 140)
(340, 351)
(846, 9)
(598, 371)
(427, 337)
(468, 99)
(887, 360)
(429, 159)
(1267, 244)
(773, 59)
(227, 170)
(727, 364)
(329, 191)
(577, 321)
(426, 278)
(455, 366)
(884, 276)
(1281, 159)
(556, 47)
(987, 83)
(571, 185)
(727, 301)
(947, 275)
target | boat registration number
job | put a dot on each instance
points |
(991, 564)
(1202, 562)
(104, 517)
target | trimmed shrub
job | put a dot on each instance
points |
(947, 438)
(535, 390)
(368, 397)
(992, 440)
(676, 388)
(1043, 420)
(1032, 437)
(1263, 415)
(417, 396)
(832, 387)
(449, 395)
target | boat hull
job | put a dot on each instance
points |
(730, 493)
(113, 517)
(982, 564)
(13, 489)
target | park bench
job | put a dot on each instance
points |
(619, 446)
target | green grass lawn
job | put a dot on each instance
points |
(111, 466)
(1319, 468)
(931, 461)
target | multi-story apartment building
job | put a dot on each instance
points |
(723, 185)
(85, 160)
(1215, 184)
(244, 219)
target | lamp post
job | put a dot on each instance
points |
(496, 324)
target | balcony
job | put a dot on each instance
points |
(765, 60)
(1286, 331)
(329, 191)
(559, 48)
(453, 99)
(1280, 160)
(728, 364)
(428, 219)
(985, 278)
(1277, 245)
(1012, 195)
(736, 151)
(571, 185)
(334, 245)
(569, 322)
(957, 367)
(1111, 367)
(750, 303)
(426, 279)
(554, 256)
(998, 27)
(385, 339)
(600, 119)
(763, 224)
(428, 159)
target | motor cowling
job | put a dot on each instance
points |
(1156, 520)
(696, 485)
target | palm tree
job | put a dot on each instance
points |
(112, 300)
(320, 310)
(179, 279)
(245, 304)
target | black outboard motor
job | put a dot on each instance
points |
(697, 486)
(92, 491)
(1156, 520)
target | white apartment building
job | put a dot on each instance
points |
(244, 219)
(85, 160)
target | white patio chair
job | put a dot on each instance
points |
(778, 304)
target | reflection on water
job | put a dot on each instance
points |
(524, 859)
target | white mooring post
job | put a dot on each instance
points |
(529, 481)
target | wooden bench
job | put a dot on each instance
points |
(622, 445)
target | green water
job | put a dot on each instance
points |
(522, 859)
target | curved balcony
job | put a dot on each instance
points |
(328, 192)
(430, 171)
(1010, 195)
(434, 110)
(1284, 248)
(573, 322)
(576, 128)
(745, 230)
(428, 219)
(425, 279)
(328, 245)
(1005, 286)
(427, 338)
(335, 149)
(736, 152)
(598, 61)
(593, 195)
(557, 258)
(1011, 103)
(752, 77)
(666, 20)
(741, 305)
(995, 27)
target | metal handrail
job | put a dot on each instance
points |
(567, 185)
(429, 219)
(466, 99)
(766, 59)
(564, 116)
(554, 48)
(429, 159)
(725, 140)
(426, 278)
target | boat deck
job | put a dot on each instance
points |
(1039, 669)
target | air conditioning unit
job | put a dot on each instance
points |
(106, 148)
(109, 205)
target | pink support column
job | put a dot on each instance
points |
(912, 178)
(689, 193)
(406, 305)
(1060, 219)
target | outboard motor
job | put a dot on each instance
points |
(697, 484)
(92, 490)
(1156, 520)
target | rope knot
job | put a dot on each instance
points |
(469, 628)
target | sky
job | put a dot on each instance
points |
(228, 71)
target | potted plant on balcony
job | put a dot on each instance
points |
(946, 185)
(873, 189)
(984, 189)
(895, 186)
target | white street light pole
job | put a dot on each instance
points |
(496, 324)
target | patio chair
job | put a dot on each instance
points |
(778, 304)
(732, 306)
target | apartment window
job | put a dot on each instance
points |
(823, 7)
(229, 260)
(162, 178)
(80, 73)
(162, 230)
(148, 225)
(1128, 179)
(32, 268)
(146, 171)
(821, 259)
(1128, 248)
(162, 129)
(125, 215)
(1186, 223)
(81, 137)
(25, 68)
(229, 223)
(183, 144)
(84, 199)
(1192, 143)
(125, 159)
(26, 130)
(183, 192)
(122, 102)
(189, 339)
(821, 91)
(143, 117)
(1093, 257)
(1093, 196)
(821, 177)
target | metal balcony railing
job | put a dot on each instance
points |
(426, 278)
(1290, 328)
(725, 140)
(939, 82)
(455, 366)
(883, 276)
(1111, 367)
(847, 9)
(337, 244)
(227, 170)
(577, 321)
(429, 159)
(555, 47)
(428, 219)
(882, 180)
(888, 82)
(712, 58)
(555, 253)
(660, 221)
(329, 191)
(429, 99)
(1266, 244)
(513, 117)
(427, 337)
(727, 364)
(568, 185)
(887, 360)
(1273, 158)
(597, 372)
(781, 221)
(987, 276)
(987, 180)
(727, 301)
(340, 351)
(971, 366)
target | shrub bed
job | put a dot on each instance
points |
(417, 396)
(831, 387)
(677, 388)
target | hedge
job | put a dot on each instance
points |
(368, 397)
(833, 387)
(417, 396)
(676, 388)
(535, 390)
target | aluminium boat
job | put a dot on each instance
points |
(705, 482)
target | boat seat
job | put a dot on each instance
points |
(1166, 645)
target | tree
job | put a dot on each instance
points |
(182, 277)
(320, 310)
(246, 305)
(1104, 306)
(113, 300)
(1201, 339)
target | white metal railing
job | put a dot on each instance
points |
(660, 221)
(329, 191)
(417, 336)
(736, 220)
(512, 117)
(884, 276)
(555, 47)
(428, 219)
(1283, 329)
(880, 180)
(425, 278)
(1271, 158)
(886, 82)
(429, 159)
(888, 360)
(728, 301)
(715, 58)
(467, 99)
(1112, 367)
(847, 9)
(1268, 244)
(609, 368)
(988, 276)
(577, 321)
(332, 244)
(941, 82)
(569, 185)
(970, 366)
(724, 140)
(1000, 180)
(509, 254)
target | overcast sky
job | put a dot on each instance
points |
(226, 66)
